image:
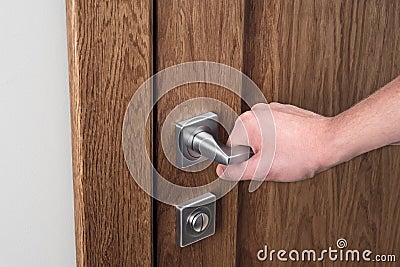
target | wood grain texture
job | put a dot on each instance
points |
(189, 31)
(110, 55)
(323, 56)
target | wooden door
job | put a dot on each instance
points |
(323, 56)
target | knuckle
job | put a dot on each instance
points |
(246, 115)
(275, 104)
(259, 106)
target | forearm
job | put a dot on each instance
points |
(372, 123)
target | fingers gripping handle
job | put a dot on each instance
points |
(196, 142)
(204, 144)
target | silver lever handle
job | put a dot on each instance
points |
(196, 138)
(204, 144)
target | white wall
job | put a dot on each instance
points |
(36, 201)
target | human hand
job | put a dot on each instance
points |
(302, 145)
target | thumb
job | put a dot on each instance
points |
(242, 171)
(220, 169)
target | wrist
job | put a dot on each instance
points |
(334, 146)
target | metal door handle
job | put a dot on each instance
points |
(203, 143)
(196, 140)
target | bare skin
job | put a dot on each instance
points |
(308, 143)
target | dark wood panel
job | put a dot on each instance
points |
(323, 56)
(188, 31)
(110, 56)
